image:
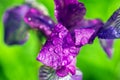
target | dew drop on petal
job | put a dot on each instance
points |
(84, 41)
(50, 49)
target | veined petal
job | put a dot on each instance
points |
(59, 50)
(69, 12)
(47, 73)
(111, 29)
(107, 45)
(38, 20)
(14, 27)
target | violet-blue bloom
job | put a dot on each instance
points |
(65, 40)
(68, 36)
(14, 27)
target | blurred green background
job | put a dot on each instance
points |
(19, 62)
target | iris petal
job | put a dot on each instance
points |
(82, 36)
(37, 20)
(14, 27)
(59, 50)
(69, 12)
(107, 45)
(86, 32)
(111, 29)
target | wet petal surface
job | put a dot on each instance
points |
(37, 20)
(59, 50)
(86, 32)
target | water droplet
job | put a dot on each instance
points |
(64, 62)
(50, 22)
(61, 35)
(57, 50)
(72, 49)
(29, 19)
(50, 49)
(56, 41)
(66, 51)
(84, 41)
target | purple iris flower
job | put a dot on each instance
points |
(64, 38)
(71, 33)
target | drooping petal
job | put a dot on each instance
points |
(14, 27)
(59, 50)
(86, 32)
(111, 29)
(69, 12)
(38, 20)
(107, 45)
